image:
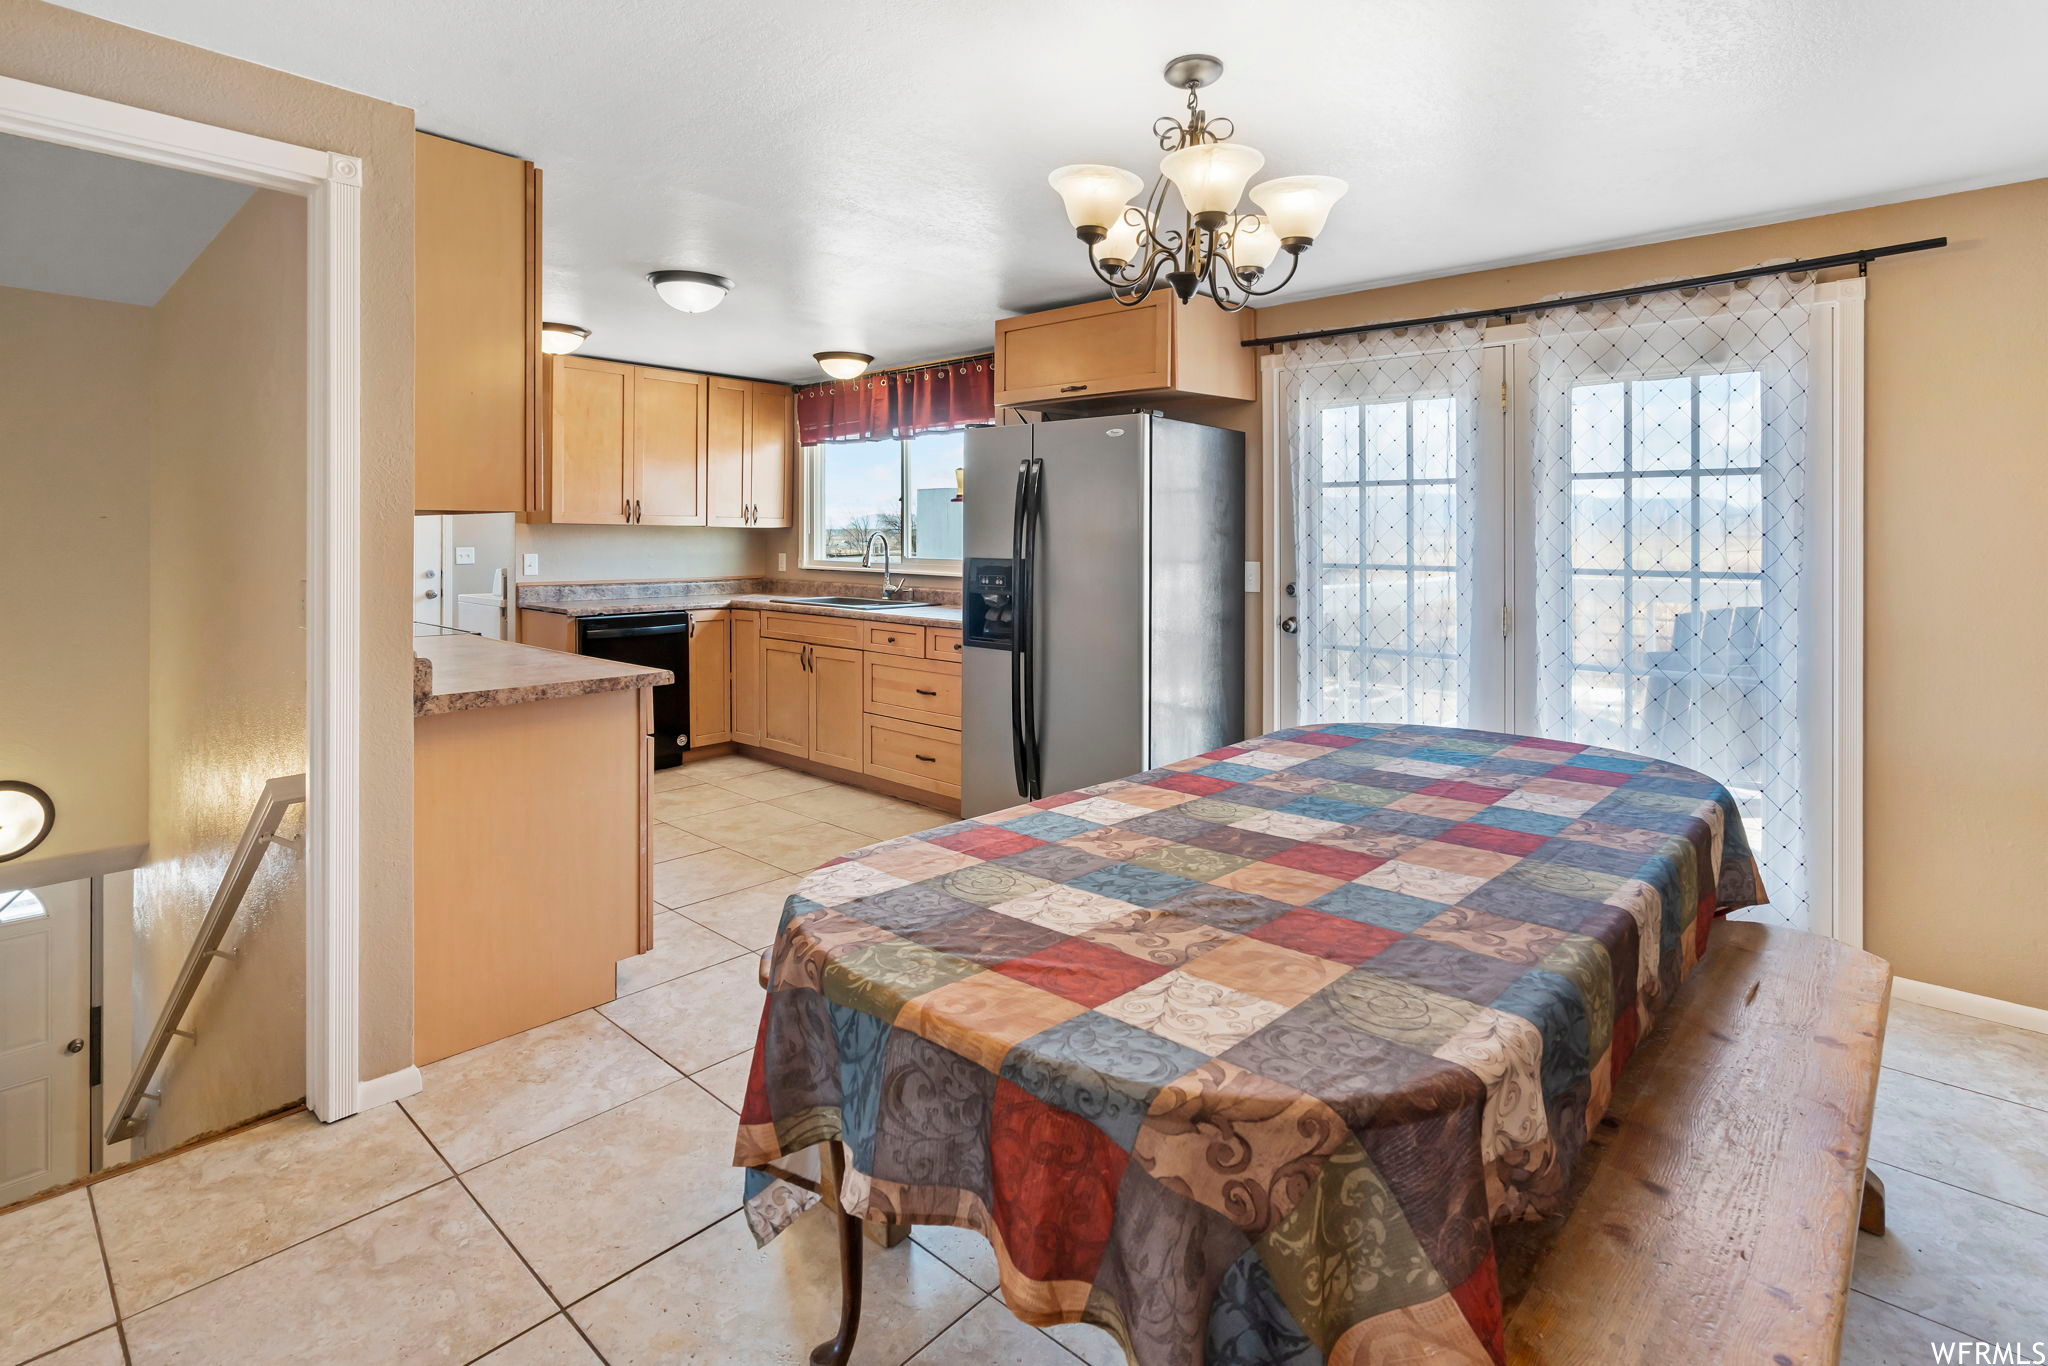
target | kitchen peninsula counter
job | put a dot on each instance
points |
(531, 868)
(463, 672)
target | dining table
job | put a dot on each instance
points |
(1243, 1058)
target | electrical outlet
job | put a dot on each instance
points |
(781, 561)
(531, 567)
(1251, 576)
(465, 554)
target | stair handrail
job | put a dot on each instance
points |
(278, 796)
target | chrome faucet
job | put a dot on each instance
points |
(867, 560)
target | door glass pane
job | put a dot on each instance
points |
(1660, 424)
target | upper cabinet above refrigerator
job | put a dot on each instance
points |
(1156, 349)
(476, 369)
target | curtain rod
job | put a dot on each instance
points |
(1859, 259)
(898, 369)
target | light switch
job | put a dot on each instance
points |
(530, 566)
(781, 561)
(465, 554)
(1251, 576)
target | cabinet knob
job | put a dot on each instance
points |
(1072, 388)
(926, 692)
(926, 759)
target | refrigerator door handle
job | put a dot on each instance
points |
(1019, 630)
(1026, 614)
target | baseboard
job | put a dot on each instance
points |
(391, 1086)
(1965, 1003)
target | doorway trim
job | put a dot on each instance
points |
(331, 184)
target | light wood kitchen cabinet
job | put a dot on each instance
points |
(913, 754)
(476, 318)
(748, 451)
(649, 446)
(811, 702)
(926, 690)
(1159, 347)
(786, 697)
(710, 677)
(668, 447)
(771, 443)
(731, 403)
(746, 677)
(590, 441)
(836, 706)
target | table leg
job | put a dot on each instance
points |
(1871, 1217)
(838, 1351)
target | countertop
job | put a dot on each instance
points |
(910, 614)
(465, 672)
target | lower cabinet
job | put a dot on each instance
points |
(746, 677)
(710, 672)
(914, 754)
(811, 702)
(786, 697)
(835, 706)
(890, 711)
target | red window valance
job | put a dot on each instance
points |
(898, 403)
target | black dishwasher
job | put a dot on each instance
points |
(659, 640)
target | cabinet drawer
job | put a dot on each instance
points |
(942, 645)
(815, 630)
(895, 640)
(924, 690)
(919, 756)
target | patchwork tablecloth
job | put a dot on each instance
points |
(1242, 1058)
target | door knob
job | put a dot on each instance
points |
(75, 1046)
(1291, 625)
(431, 593)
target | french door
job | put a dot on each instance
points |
(1397, 533)
(1573, 536)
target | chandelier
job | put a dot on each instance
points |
(1230, 252)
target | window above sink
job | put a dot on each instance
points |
(854, 489)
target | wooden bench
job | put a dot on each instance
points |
(1715, 1212)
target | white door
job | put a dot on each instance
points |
(429, 588)
(43, 1046)
(1391, 540)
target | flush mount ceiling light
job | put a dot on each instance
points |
(1216, 245)
(26, 815)
(559, 339)
(689, 291)
(842, 364)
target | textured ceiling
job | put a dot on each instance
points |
(873, 175)
(78, 222)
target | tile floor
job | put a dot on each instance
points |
(563, 1196)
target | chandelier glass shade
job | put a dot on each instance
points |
(1215, 247)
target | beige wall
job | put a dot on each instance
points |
(643, 552)
(227, 661)
(57, 47)
(74, 556)
(1956, 450)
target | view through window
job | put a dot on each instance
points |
(907, 490)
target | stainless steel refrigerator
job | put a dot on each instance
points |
(1104, 584)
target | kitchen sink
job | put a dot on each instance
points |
(865, 604)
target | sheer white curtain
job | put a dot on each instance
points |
(1671, 531)
(1383, 439)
